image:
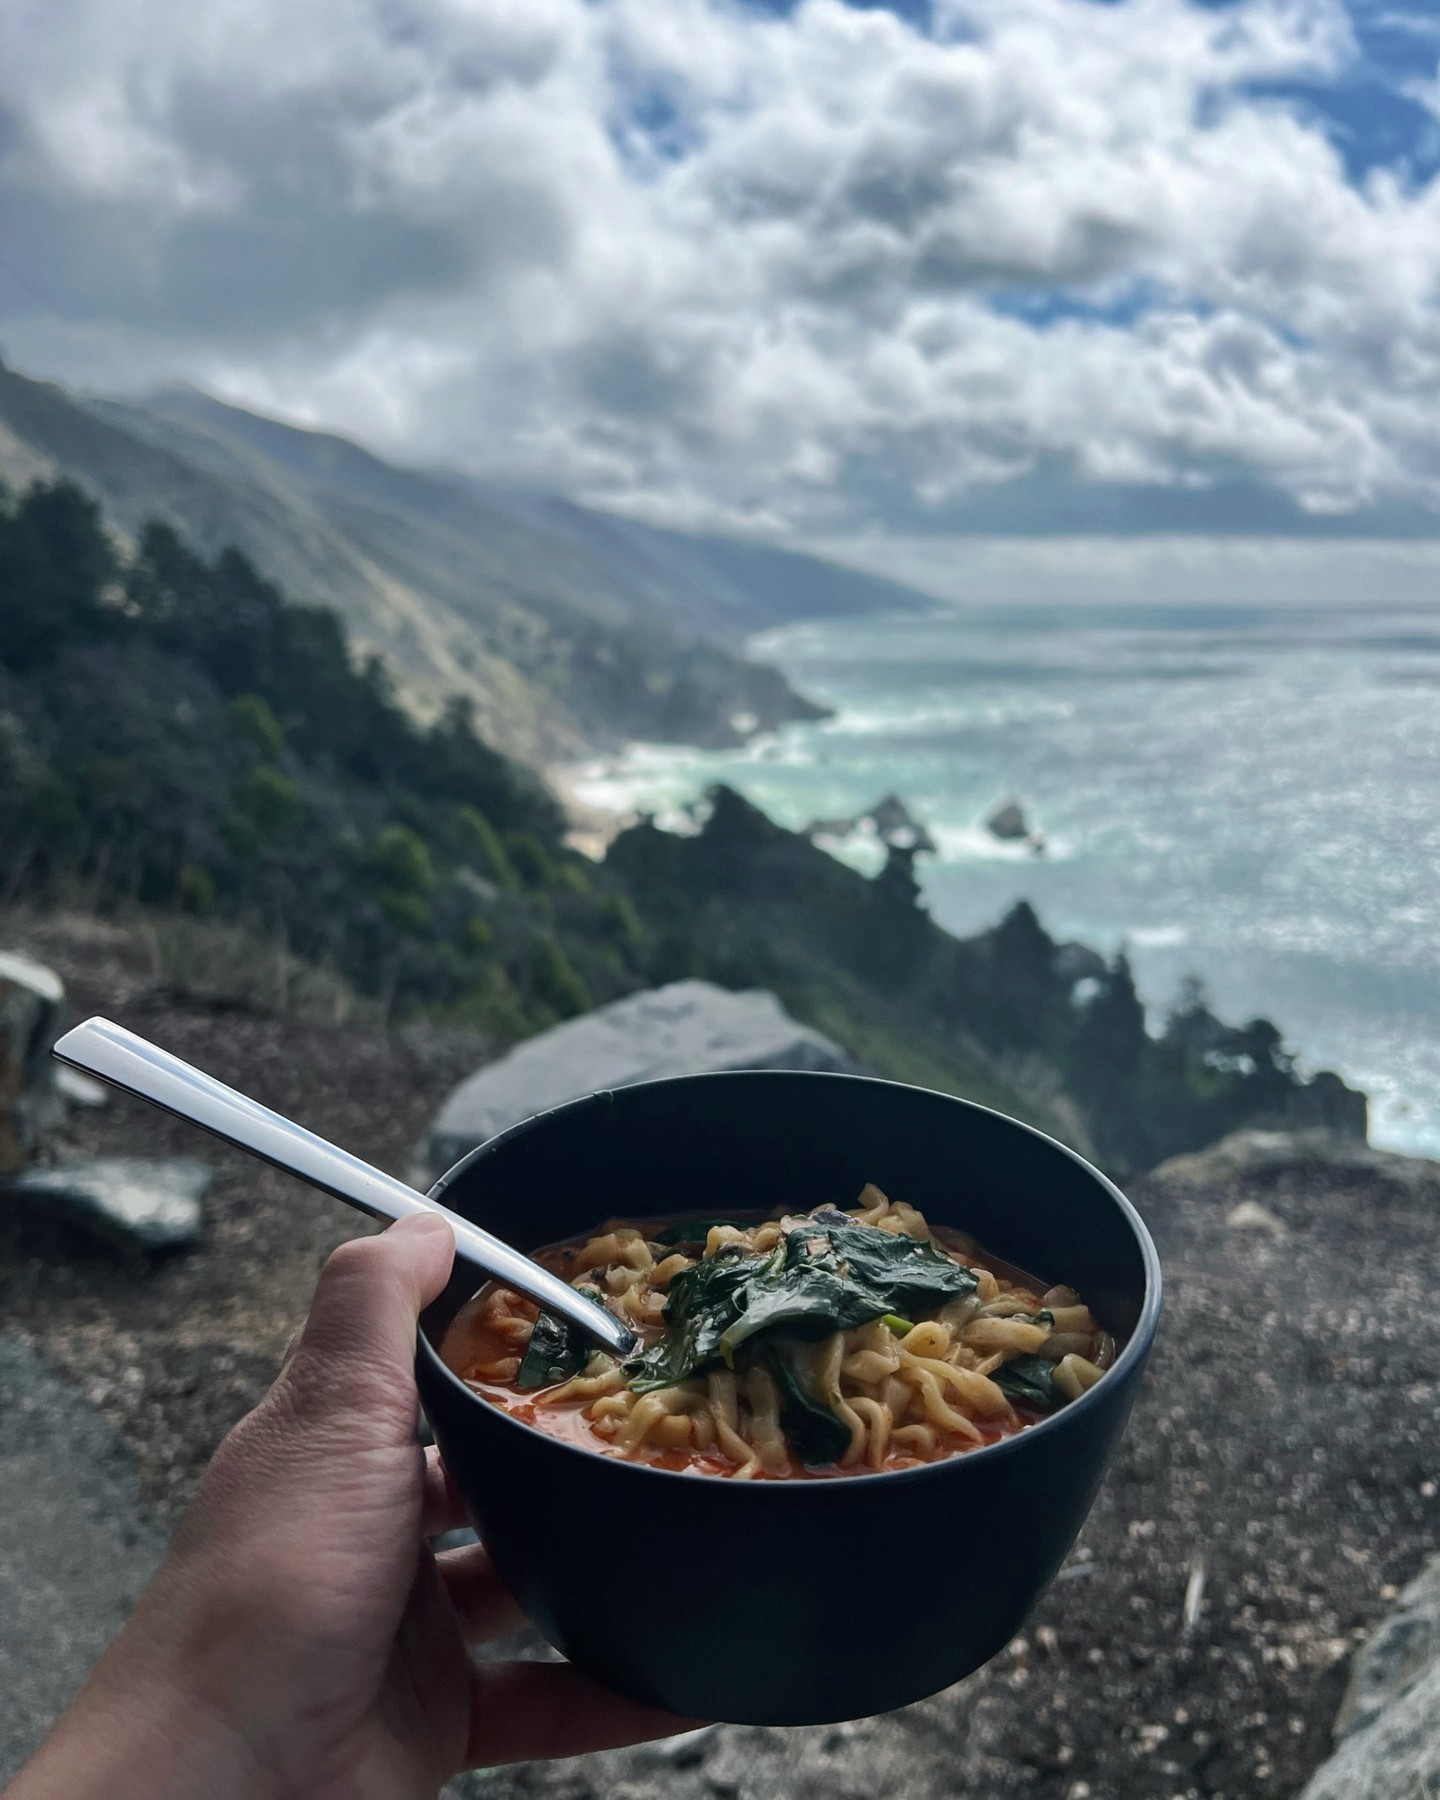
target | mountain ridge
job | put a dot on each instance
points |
(570, 630)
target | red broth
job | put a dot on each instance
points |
(879, 1396)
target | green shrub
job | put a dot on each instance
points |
(406, 912)
(251, 719)
(402, 861)
(241, 836)
(489, 1004)
(482, 843)
(478, 934)
(530, 859)
(196, 889)
(52, 811)
(570, 875)
(269, 800)
(553, 979)
(619, 922)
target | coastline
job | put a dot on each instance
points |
(1172, 766)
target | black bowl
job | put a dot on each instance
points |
(789, 1602)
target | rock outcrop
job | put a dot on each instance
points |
(134, 1202)
(687, 1028)
(32, 998)
(1387, 1733)
(889, 818)
(1008, 822)
(1261, 1156)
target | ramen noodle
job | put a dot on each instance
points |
(833, 1342)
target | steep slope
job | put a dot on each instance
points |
(539, 548)
(46, 432)
(569, 631)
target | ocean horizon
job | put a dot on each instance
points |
(1247, 795)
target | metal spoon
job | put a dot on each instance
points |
(138, 1067)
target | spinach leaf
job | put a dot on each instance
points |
(912, 1274)
(556, 1351)
(702, 1301)
(1029, 1378)
(802, 1292)
(692, 1231)
(816, 1435)
(826, 1274)
(837, 1274)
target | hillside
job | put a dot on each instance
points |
(1049, 1032)
(569, 630)
(177, 736)
(538, 546)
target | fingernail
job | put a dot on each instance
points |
(414, 1224)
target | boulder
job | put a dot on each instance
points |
(1008, 823)
(1388, 1729)
(1074, 963)
(891, 820)
(32, 1000)
(140, 1203)
(1255, 1155)
(687, 1028)
(895, 824)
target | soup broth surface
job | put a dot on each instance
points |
(799, 1345)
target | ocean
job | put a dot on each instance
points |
(1247, 795)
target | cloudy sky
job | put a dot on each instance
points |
(950, 278)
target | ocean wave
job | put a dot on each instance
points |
(1158, 937)
(973, 843)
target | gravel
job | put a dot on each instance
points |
(75, 1548)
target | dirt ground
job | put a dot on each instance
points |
(1281, 1465)
(173, 1353)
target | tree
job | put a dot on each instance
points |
(55, 566)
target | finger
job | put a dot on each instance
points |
(481, 1600)
(359, 1341)
(524, 1711)
(443, 1509)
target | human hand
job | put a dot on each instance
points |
(300, 1638)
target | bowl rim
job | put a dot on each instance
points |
(1137, 1347)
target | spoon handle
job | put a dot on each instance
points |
(139, 1067)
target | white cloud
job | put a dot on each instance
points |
(800, 272)
(1197, 571)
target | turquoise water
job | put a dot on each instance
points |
(1249, 795)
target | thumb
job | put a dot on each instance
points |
(357, 1348)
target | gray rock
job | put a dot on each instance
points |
(80, 1090)
(137, 1201)
(75, 1547)
(32, 1000)
(889, 818)
(1077, 962)
(1267, 1155)
(1400, 1649)
(1008, 823)
(687, 1028)
(1388, 1728)
(1395, 1758)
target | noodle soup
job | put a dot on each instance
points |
(831, 1342)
